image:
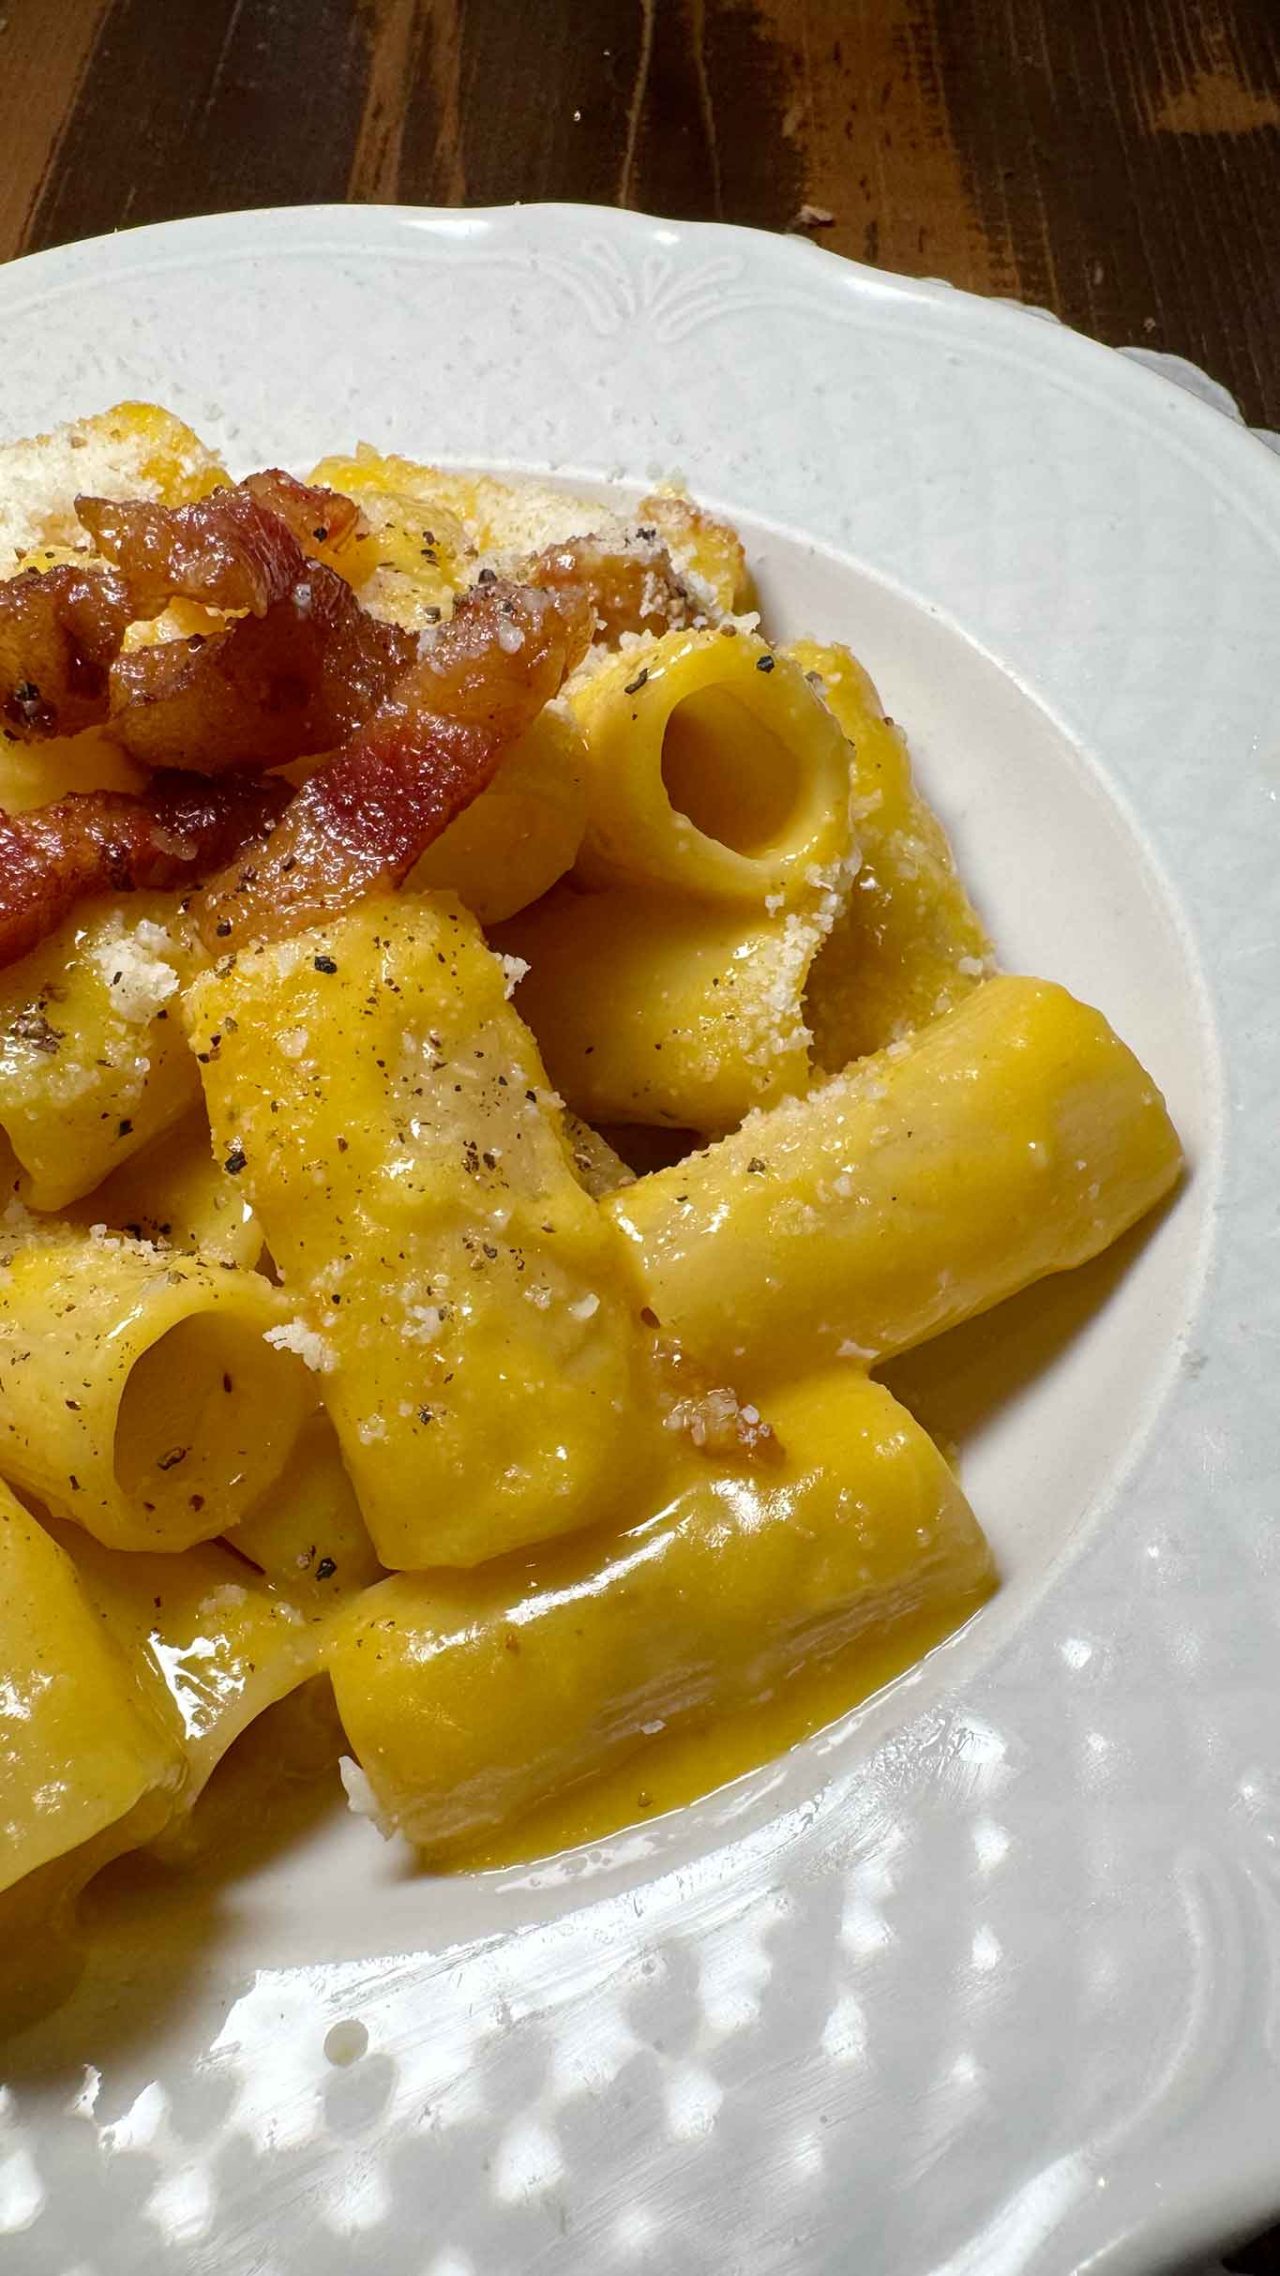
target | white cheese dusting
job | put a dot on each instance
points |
(313, 1349)
(360, 1794)
(134, 963)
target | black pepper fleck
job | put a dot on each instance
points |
(32, 1027)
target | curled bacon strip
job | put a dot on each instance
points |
(227, 550)
(364, 819)
(629, 591)
(298, 679)
(321, 520)
(60, 629)
(299, 672)
(101, 841)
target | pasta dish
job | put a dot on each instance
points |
(495, 1054)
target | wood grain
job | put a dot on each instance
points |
(44, 53)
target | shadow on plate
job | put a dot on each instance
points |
(961, 1381)
(144, 1943)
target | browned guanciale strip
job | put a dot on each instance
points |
(630, 589)
(313, 667)
(106, 841)
(321, 520)
(226, 550)
(363, 820)
(238, 548)
(60, 629)
(242, 548)
(298, 679)
(298, 672)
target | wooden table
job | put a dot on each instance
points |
(1117, 161)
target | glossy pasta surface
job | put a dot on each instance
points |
(467, 1302)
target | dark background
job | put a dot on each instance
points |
(1117, 161)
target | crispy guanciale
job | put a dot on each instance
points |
(631, 589)
(363, 820)
(323, 521)
(228, 550)
(60, 631)
(297, 673)
(267, 689)
(241, 548)
(108, 841)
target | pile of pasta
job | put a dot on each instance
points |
(461, 1283)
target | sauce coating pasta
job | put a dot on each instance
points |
(346, 1340)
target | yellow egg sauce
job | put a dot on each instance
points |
(683, 1765)
(281, 1771)
(427, 1494)
(146, 1914)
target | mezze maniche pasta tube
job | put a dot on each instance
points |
(93, 1062)
(175, 1195)
(139, 1396)
(209, 1639)
(712, 768)
(1013, 1137)
(82, 1743)
(468, 1699)
(465, 1304)
(908, 944)
(655, 1008)
(511, 844)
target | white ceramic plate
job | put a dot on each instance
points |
(987, 1979)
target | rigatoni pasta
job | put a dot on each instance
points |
(307, 1534)
(140, 1396)
(176, 1194)
(468, 1699)
(461, 1299)
(908, 943)
(81, 1745)
(1014, 1137)
(213, 1642)
(685, 1013)
(712, 770)
(93, 1062)
(345, 1338)
(523, 832)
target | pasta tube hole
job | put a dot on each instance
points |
(204, 1414)
(729, 773)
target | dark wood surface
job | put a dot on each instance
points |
(1117, 161)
